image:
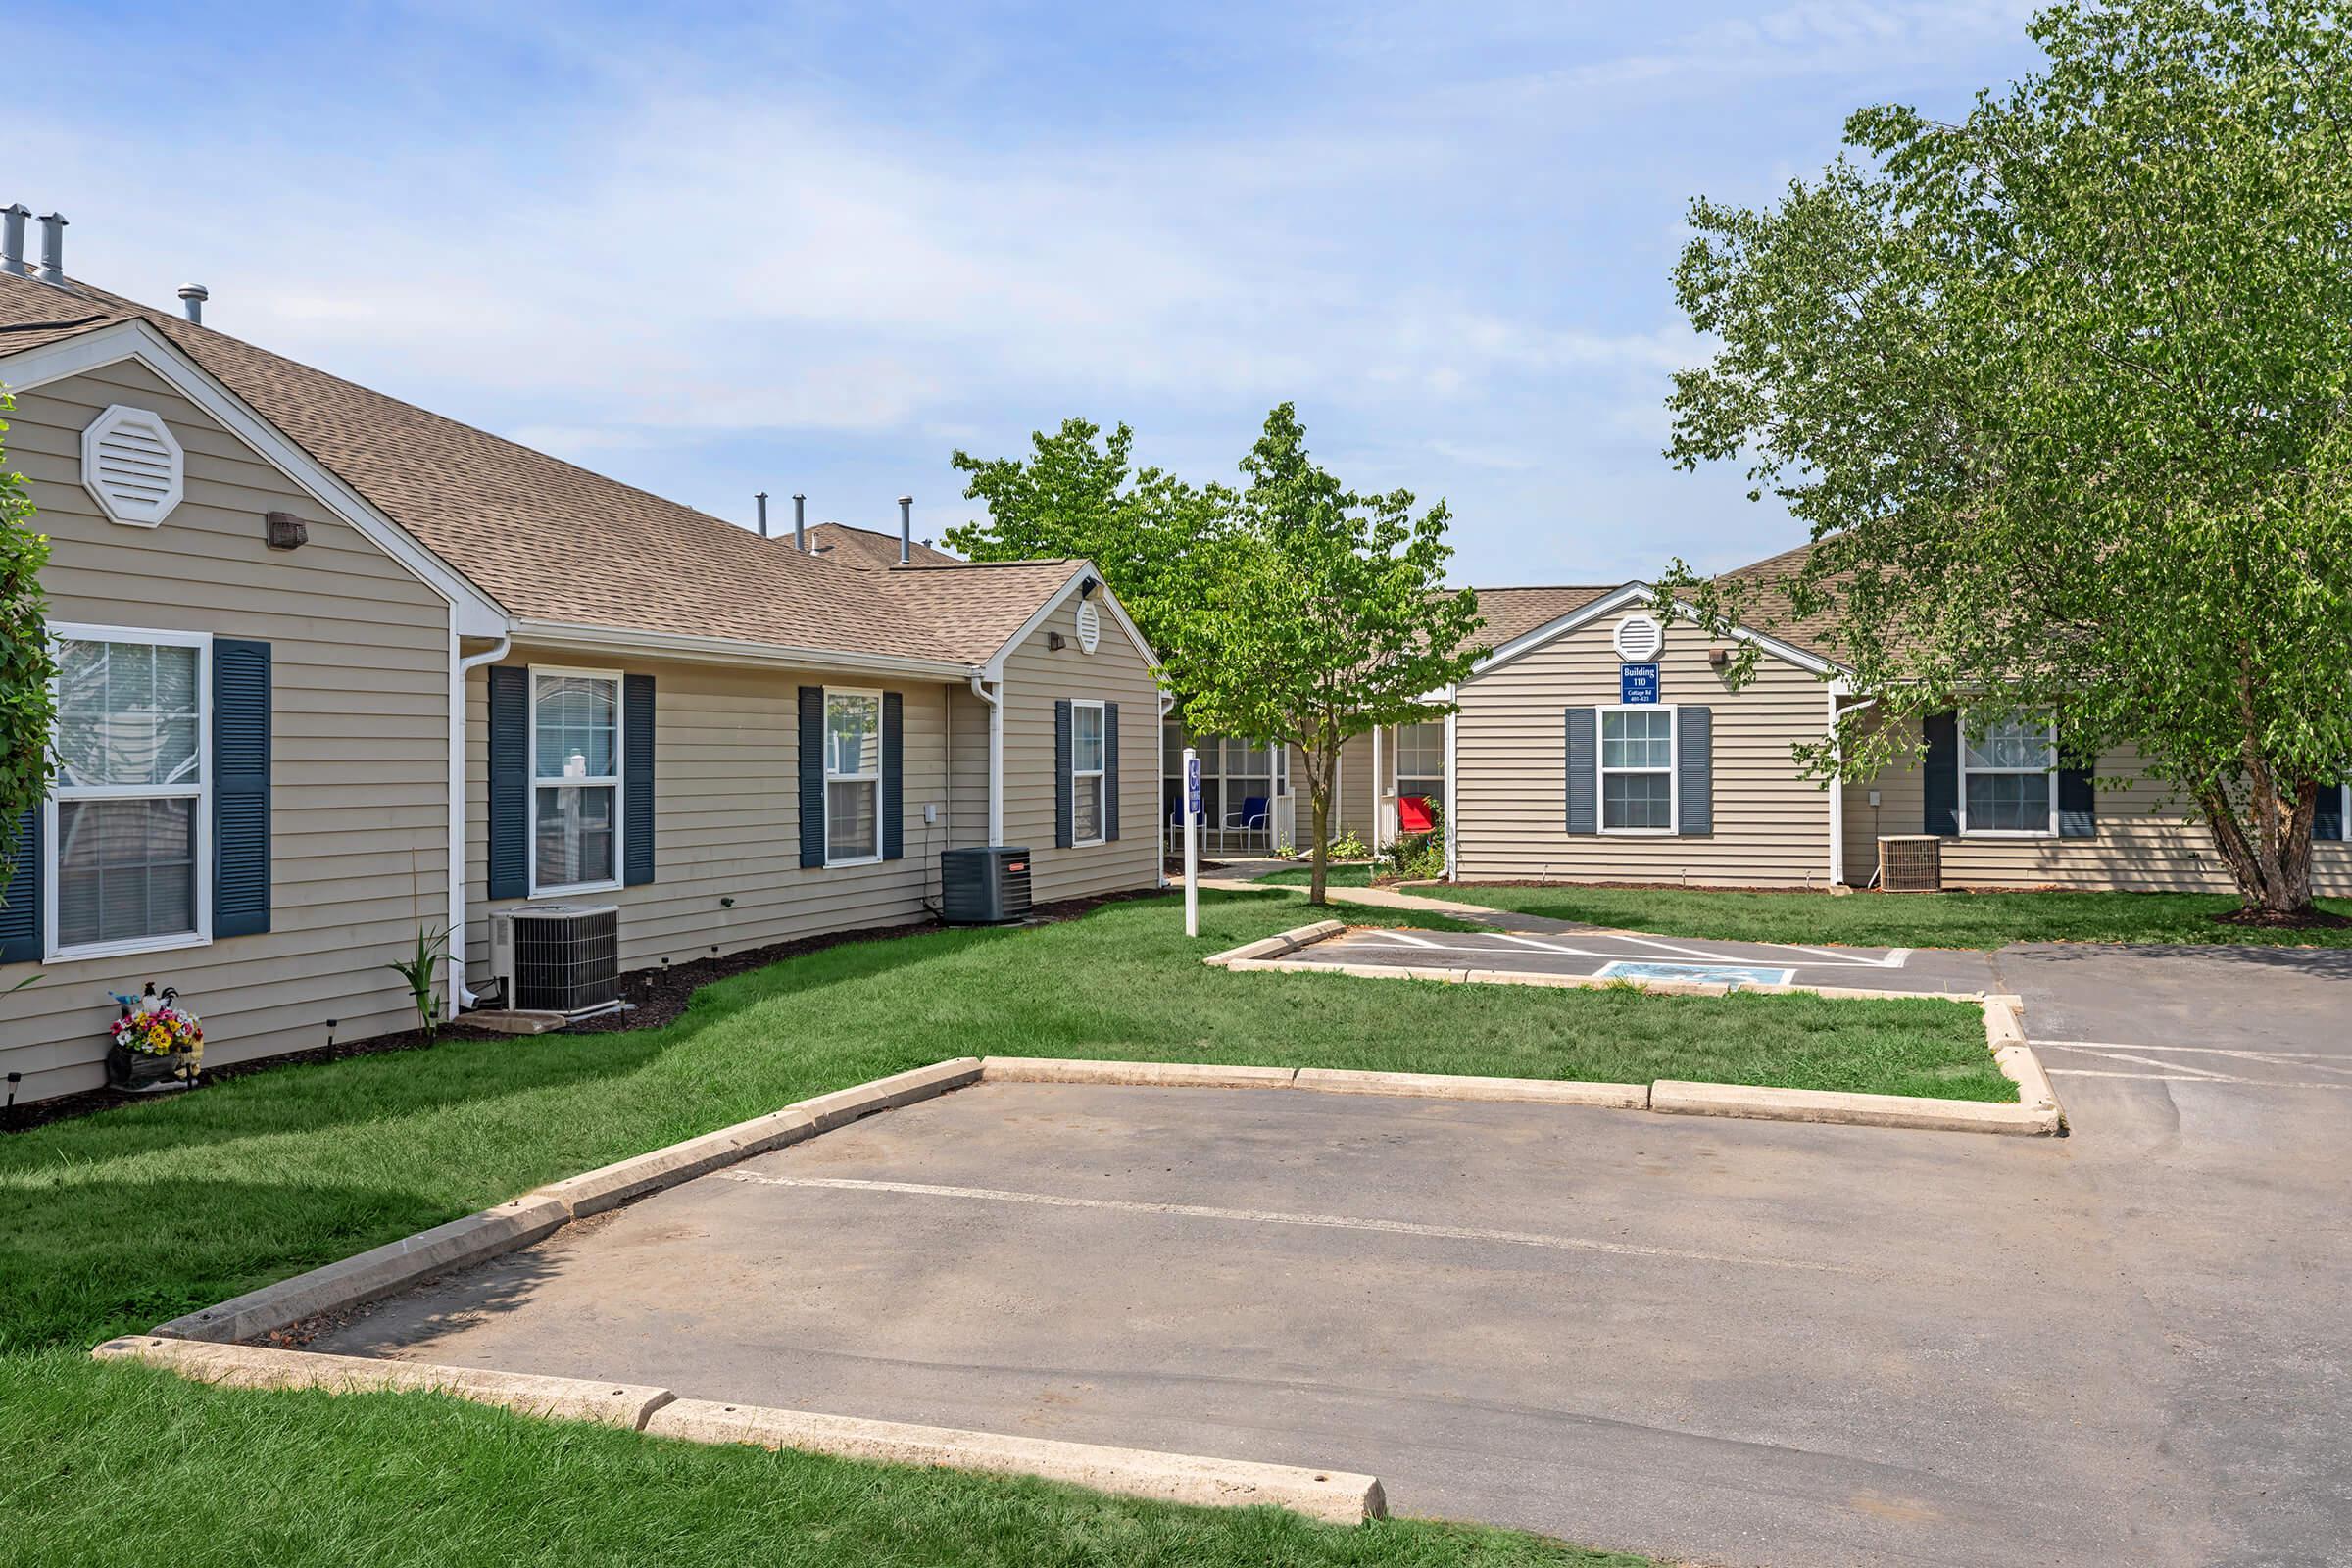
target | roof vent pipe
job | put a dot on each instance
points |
(800, 522)
(761, 498)
(52, 249)
(905, 530)
(11, 240)
(191, 301)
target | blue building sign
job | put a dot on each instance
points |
(1637, 683)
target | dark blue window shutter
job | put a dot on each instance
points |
(1940, 788)
(1584, 778)
(1110, 770)
(20, 899)
(2326, 818)
(637, 779)
(1064, 836)
(2077, 804)
(1694, 767)
(812, 777)
(510, 781)
(894, 788)
(240, 787)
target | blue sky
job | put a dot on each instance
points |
(719, 249)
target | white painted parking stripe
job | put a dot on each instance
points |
(2197, 1078)
(2297, 1057)
(1389, 1227)
(1411, 939)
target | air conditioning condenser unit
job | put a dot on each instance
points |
(557, 957)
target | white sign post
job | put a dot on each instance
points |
(1192, 842)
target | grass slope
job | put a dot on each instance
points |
(118, 1221)
(1984, 921)
(106, 1465)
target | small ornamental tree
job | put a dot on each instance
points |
(1076, 494)
(2064, 394)
(25, 666)
(1321, 615)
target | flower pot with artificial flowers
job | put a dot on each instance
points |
(157, 1043)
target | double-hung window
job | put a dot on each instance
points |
(575, 780)
(129, 827)
(1637, 770)
(1086, 773)
(1421, 760)
(853, 777)
(2008, 776)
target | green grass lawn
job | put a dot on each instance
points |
(1985, 920)
(118, 1221)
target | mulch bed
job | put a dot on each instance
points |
(657, 996)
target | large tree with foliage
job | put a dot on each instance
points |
(1078, 494)
(2064, 393)
(25, 666)
(1321, 615)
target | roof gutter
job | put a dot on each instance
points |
(731, 650)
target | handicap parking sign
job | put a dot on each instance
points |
(1192, 786)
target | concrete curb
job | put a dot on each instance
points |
(1332, 1496)
(845, 1106)
(379, 1271)
(1289, 940)
(1142, 1074)
(610, 1186)
(1849, 1110)
(1591, 982)
(251, 1366)
(1447, 1085)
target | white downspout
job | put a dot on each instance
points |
(1167, 701)
(1837, 792)
(1378, 817)
(995, 756)
(1454, 822)
(456, 995)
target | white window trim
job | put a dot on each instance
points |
(1673, 771)
(1101, 817)
(201, 791)
(881, 744)
(1398, 774)
(620, 732)
(2049, 728)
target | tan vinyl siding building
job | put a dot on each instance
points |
(1037, 676)
(1771, 827)
(359, 787)
(2144, 841)
(726, 814)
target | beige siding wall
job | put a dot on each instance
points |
(1036, 677)
(2145, 842)
(358, 771)
(1772, 828)
(726, 815)
(967, 768)
(1352, 802)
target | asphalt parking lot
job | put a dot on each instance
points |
(1712, 1340)
(1620, 954)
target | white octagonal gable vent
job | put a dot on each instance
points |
(1639, 639)
(132, 465)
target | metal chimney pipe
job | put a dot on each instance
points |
(761, 498)
(191, 301)
(11, 240)
(800, 522)
(52, 249)
(905, 530)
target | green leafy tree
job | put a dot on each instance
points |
(1078, 494)
(2064, 393)
(25, 666)
(1321, 615)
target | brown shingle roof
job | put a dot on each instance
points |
(1513, 613)
(871, 549)
(1767, 608)
(554, 542)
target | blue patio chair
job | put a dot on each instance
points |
(1251, 818)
